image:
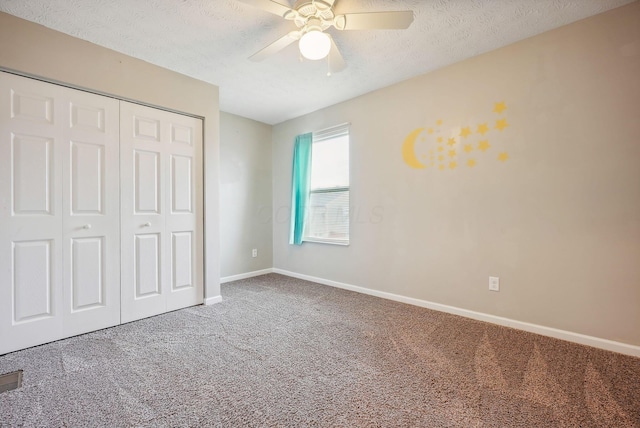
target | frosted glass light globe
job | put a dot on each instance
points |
(315, 45)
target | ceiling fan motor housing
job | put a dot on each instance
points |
(316, 13)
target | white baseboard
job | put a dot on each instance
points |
(596, 342)
(245, 275)
(212, 300)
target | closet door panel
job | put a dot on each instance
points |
(91, 222)
(87, 178)
(184, 212)
(32, 280)
(182, 260)
(146, 182)
(32, 169)
(147, 278)
(31, 150)
(143, 189)
(161, 211)
(88, 273)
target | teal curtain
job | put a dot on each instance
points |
(300, 186)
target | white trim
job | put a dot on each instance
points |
(212, 300)
(93, 91)
(245, 275)
(332, 132)
(596, 342)
(344, 243)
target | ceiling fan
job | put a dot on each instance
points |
(313, 17)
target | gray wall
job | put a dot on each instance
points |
(245, 195)
(558, 221)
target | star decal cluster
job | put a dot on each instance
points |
(454, 146)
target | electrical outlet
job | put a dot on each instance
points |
(254, 253)
(494, 283)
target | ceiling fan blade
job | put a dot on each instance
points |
(374, 20)
(336, 62)
(275, 7)
(276, 46)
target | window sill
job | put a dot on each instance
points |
(327, 241)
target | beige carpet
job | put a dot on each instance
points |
(283, 352)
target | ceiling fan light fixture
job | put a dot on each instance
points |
(315, 45)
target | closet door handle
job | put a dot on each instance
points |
(147, 224)
(86, 226)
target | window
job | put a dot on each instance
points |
(327, 216)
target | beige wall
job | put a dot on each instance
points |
(245, 195)
(558, 222)
(33, 49)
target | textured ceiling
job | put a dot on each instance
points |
(212, 39)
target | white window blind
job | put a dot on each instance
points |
(328, 210)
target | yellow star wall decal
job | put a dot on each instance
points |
(465, 132)
(500, 107)
(501, 124)
(484, 138)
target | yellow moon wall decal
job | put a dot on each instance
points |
(408, 150)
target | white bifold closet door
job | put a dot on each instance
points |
(59, 212)
(161, 201)
(100, 212)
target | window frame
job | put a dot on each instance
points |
(319, 137)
